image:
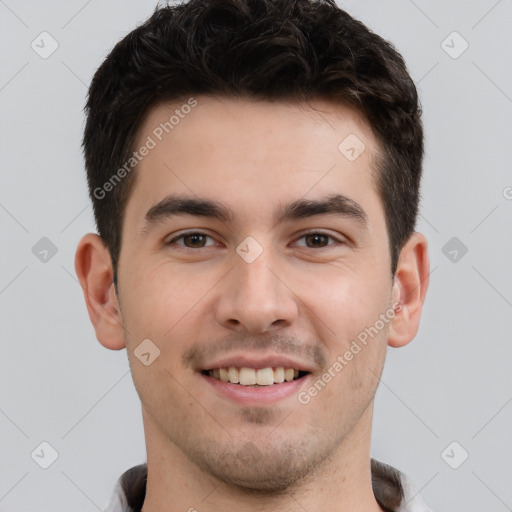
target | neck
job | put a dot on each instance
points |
(343, 482)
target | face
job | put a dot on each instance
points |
(253, 240)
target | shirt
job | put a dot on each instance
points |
(392, 489)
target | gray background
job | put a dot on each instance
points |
(453, 383)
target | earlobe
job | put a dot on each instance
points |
(409, 290)
(93, 267)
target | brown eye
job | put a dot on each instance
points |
(317, 240)
(191, 240)
(194, 240)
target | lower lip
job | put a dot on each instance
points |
(256, 395)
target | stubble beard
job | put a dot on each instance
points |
(266, 464)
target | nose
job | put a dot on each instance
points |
(255, 298)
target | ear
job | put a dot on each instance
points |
(409, 290)
(93, 267)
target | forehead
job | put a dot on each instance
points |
(210, 119)
(242, 151)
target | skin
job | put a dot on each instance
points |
(205, 451)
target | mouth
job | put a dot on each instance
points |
(255, 377)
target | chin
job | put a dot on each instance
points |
(251, 471)
(262, 478)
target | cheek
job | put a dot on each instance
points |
(354, 373)
(156, 299)
(355, 344)
(345, 300)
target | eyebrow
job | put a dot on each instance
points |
(175, 205)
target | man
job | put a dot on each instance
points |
(254, 167)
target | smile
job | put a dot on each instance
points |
(255, 377)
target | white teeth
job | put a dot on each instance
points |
(279, 374)
(224, 375)
(233, 375)
(265, 377)
(247, 376)
(251, 376)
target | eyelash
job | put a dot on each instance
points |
(309, 233)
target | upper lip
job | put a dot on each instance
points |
(269, 361)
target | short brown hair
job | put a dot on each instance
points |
(264, 50)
